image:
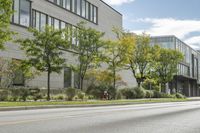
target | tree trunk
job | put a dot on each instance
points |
(48, 87)
(138, 82)
(163, 87)
(81, 83)
(114, 79)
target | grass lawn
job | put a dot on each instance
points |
(94, 102)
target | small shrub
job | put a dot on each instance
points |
(3, 95)
(14, 94)
(112, 92)
(119, 95)
(140, 92)
(149, 94)
(97, 91)
(58, 97)
(128, 93)
(37, 97)
(81, 95)
(70, 93)
(164, 95)
(23, 94)
(179, 96)
(157, 94)
(90, 97)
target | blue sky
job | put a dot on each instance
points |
(162, 17)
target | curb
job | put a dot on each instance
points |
(75, 106)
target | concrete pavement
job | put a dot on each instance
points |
(183, 117)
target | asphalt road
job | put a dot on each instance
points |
(151, 118)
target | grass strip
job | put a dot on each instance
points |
(89, 102)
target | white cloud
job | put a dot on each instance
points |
(194, 41)
(117, 2)
(170, 26)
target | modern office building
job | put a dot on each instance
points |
(59, 14)
(187, 79)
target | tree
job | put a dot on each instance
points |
(5, 15)
(116, 55)
(117, 52)
(165, 65)
(140, 58)
(101, 77)
(89, 50)
(43, 51)
(7, 69)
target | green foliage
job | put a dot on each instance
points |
(5, 15)
(164, 95)
(99, 77)
(149, 94)
(35, 93)
(98, 91)
(23, 93)
(133, 93)
(7, 69)
(81, 95)
(140, 58)
(119, 95)
(128, 93)
(58, 97)
(44, 50)
(10, 69)
(88, 49)
(3, 95)
(140, 92)
(180, 96)
(70, 93)
(14, 94)
(115, 53)
(157, 94)
(165, 65)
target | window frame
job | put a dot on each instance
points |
(74, 9)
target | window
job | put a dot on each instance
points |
(78, 7)
(62, 25)
(22, 12)
(74, 6)
(50, 21)
(74, 35)
(83, 8)
(64, 3)
(43, 21)
(68, 4)
(95, 15)
(56, 24)
(16, 14)
(37, 25)
(67, 77)
(39, 20)
(87, 10)
(91, 12)
(25, 13)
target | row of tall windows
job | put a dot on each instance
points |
(184, 49)
(22, 12)
(183, 70)
(41, 19)
(80, 7)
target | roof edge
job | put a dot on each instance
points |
(111, 7)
